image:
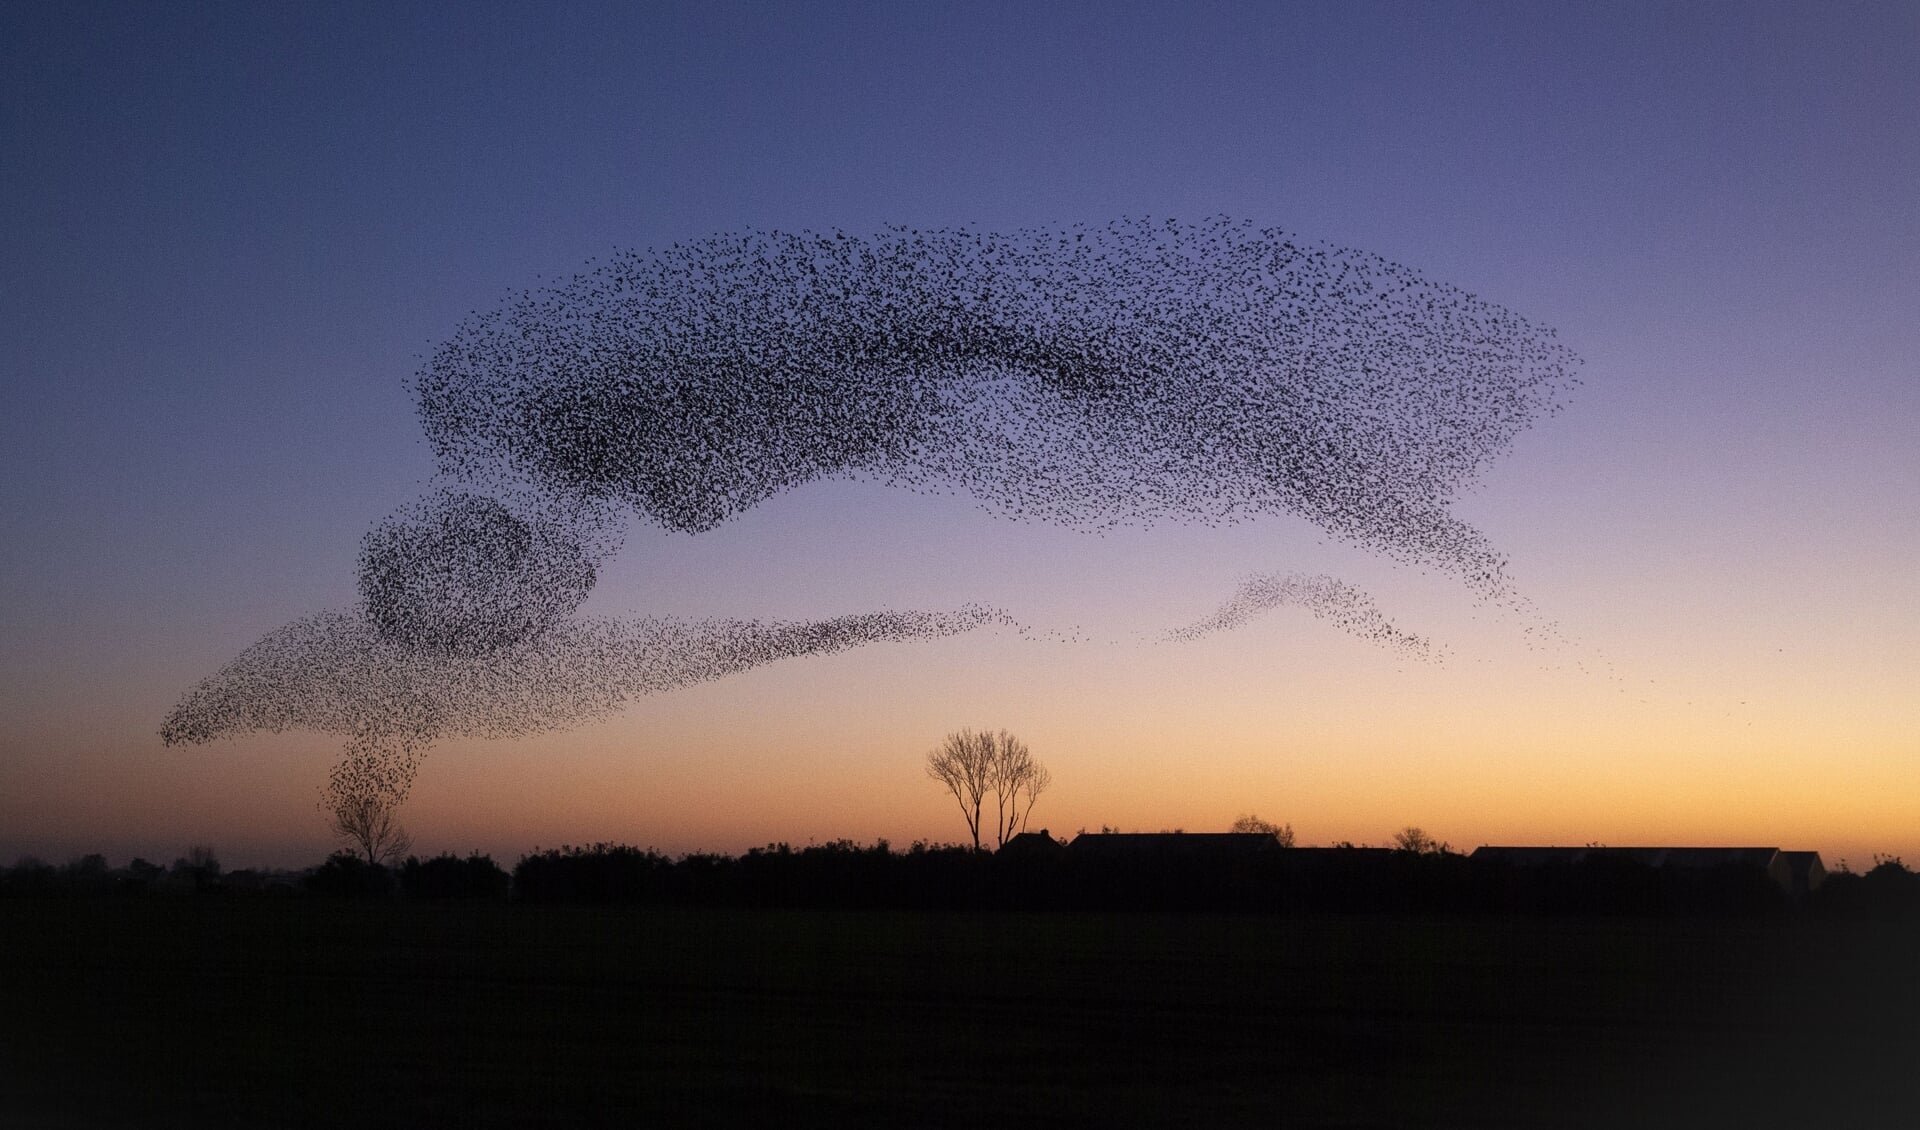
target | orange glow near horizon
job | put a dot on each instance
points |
(1543, 756)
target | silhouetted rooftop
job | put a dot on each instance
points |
(1687, 857)
(1172, 845)
(1039, 844)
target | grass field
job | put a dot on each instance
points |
(261, 1013)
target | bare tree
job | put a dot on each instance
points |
(972, 764)
(1031, 787)
(1283, 833)
(1018, 781)
(964, 762)
(1415, 841)
(363, 797)
(368, 824)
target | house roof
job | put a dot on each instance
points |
(1032, 843)
(1172, 845)
(1679, 857)
(1803, 863)
(1346, 852)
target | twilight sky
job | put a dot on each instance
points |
(231, 234)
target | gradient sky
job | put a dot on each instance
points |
(230, 233)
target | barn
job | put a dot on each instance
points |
(1798, 873)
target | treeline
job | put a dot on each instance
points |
(200, 873)
(845, 875)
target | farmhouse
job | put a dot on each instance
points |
(1797, 872)
(1184, 848)
(1032, 846)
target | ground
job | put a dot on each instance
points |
(209, 1012)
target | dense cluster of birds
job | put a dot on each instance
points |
(1327, 598)
(462, 573)
(1090, 376)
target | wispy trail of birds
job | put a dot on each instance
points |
(1327, 598)
(1090, 376)
(336, 672)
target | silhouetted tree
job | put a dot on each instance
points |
(362, 800)
(29, 876)
(141, 875)
(1889, 889)
(1018, 781)
(88, 875)
(1415, 841)
(199, 866)
(368, 824)
(972, 764)
(966, 764)
(1282, 833)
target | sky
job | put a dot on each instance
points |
(230, 235)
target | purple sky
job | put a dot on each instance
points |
(231, 232)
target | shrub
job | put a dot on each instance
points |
(448, 876)
(345, 875)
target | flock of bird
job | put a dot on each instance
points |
(462, 573)
(1327, 598)
(336, 672)
(1090, 376)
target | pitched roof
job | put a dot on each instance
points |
(1804, 865)
(1039, 843)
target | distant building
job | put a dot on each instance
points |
(1346, 852)
(1182, 848)
(1804, 871)
(1797, 872)
(1032, 845)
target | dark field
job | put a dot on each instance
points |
(206, 1012)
